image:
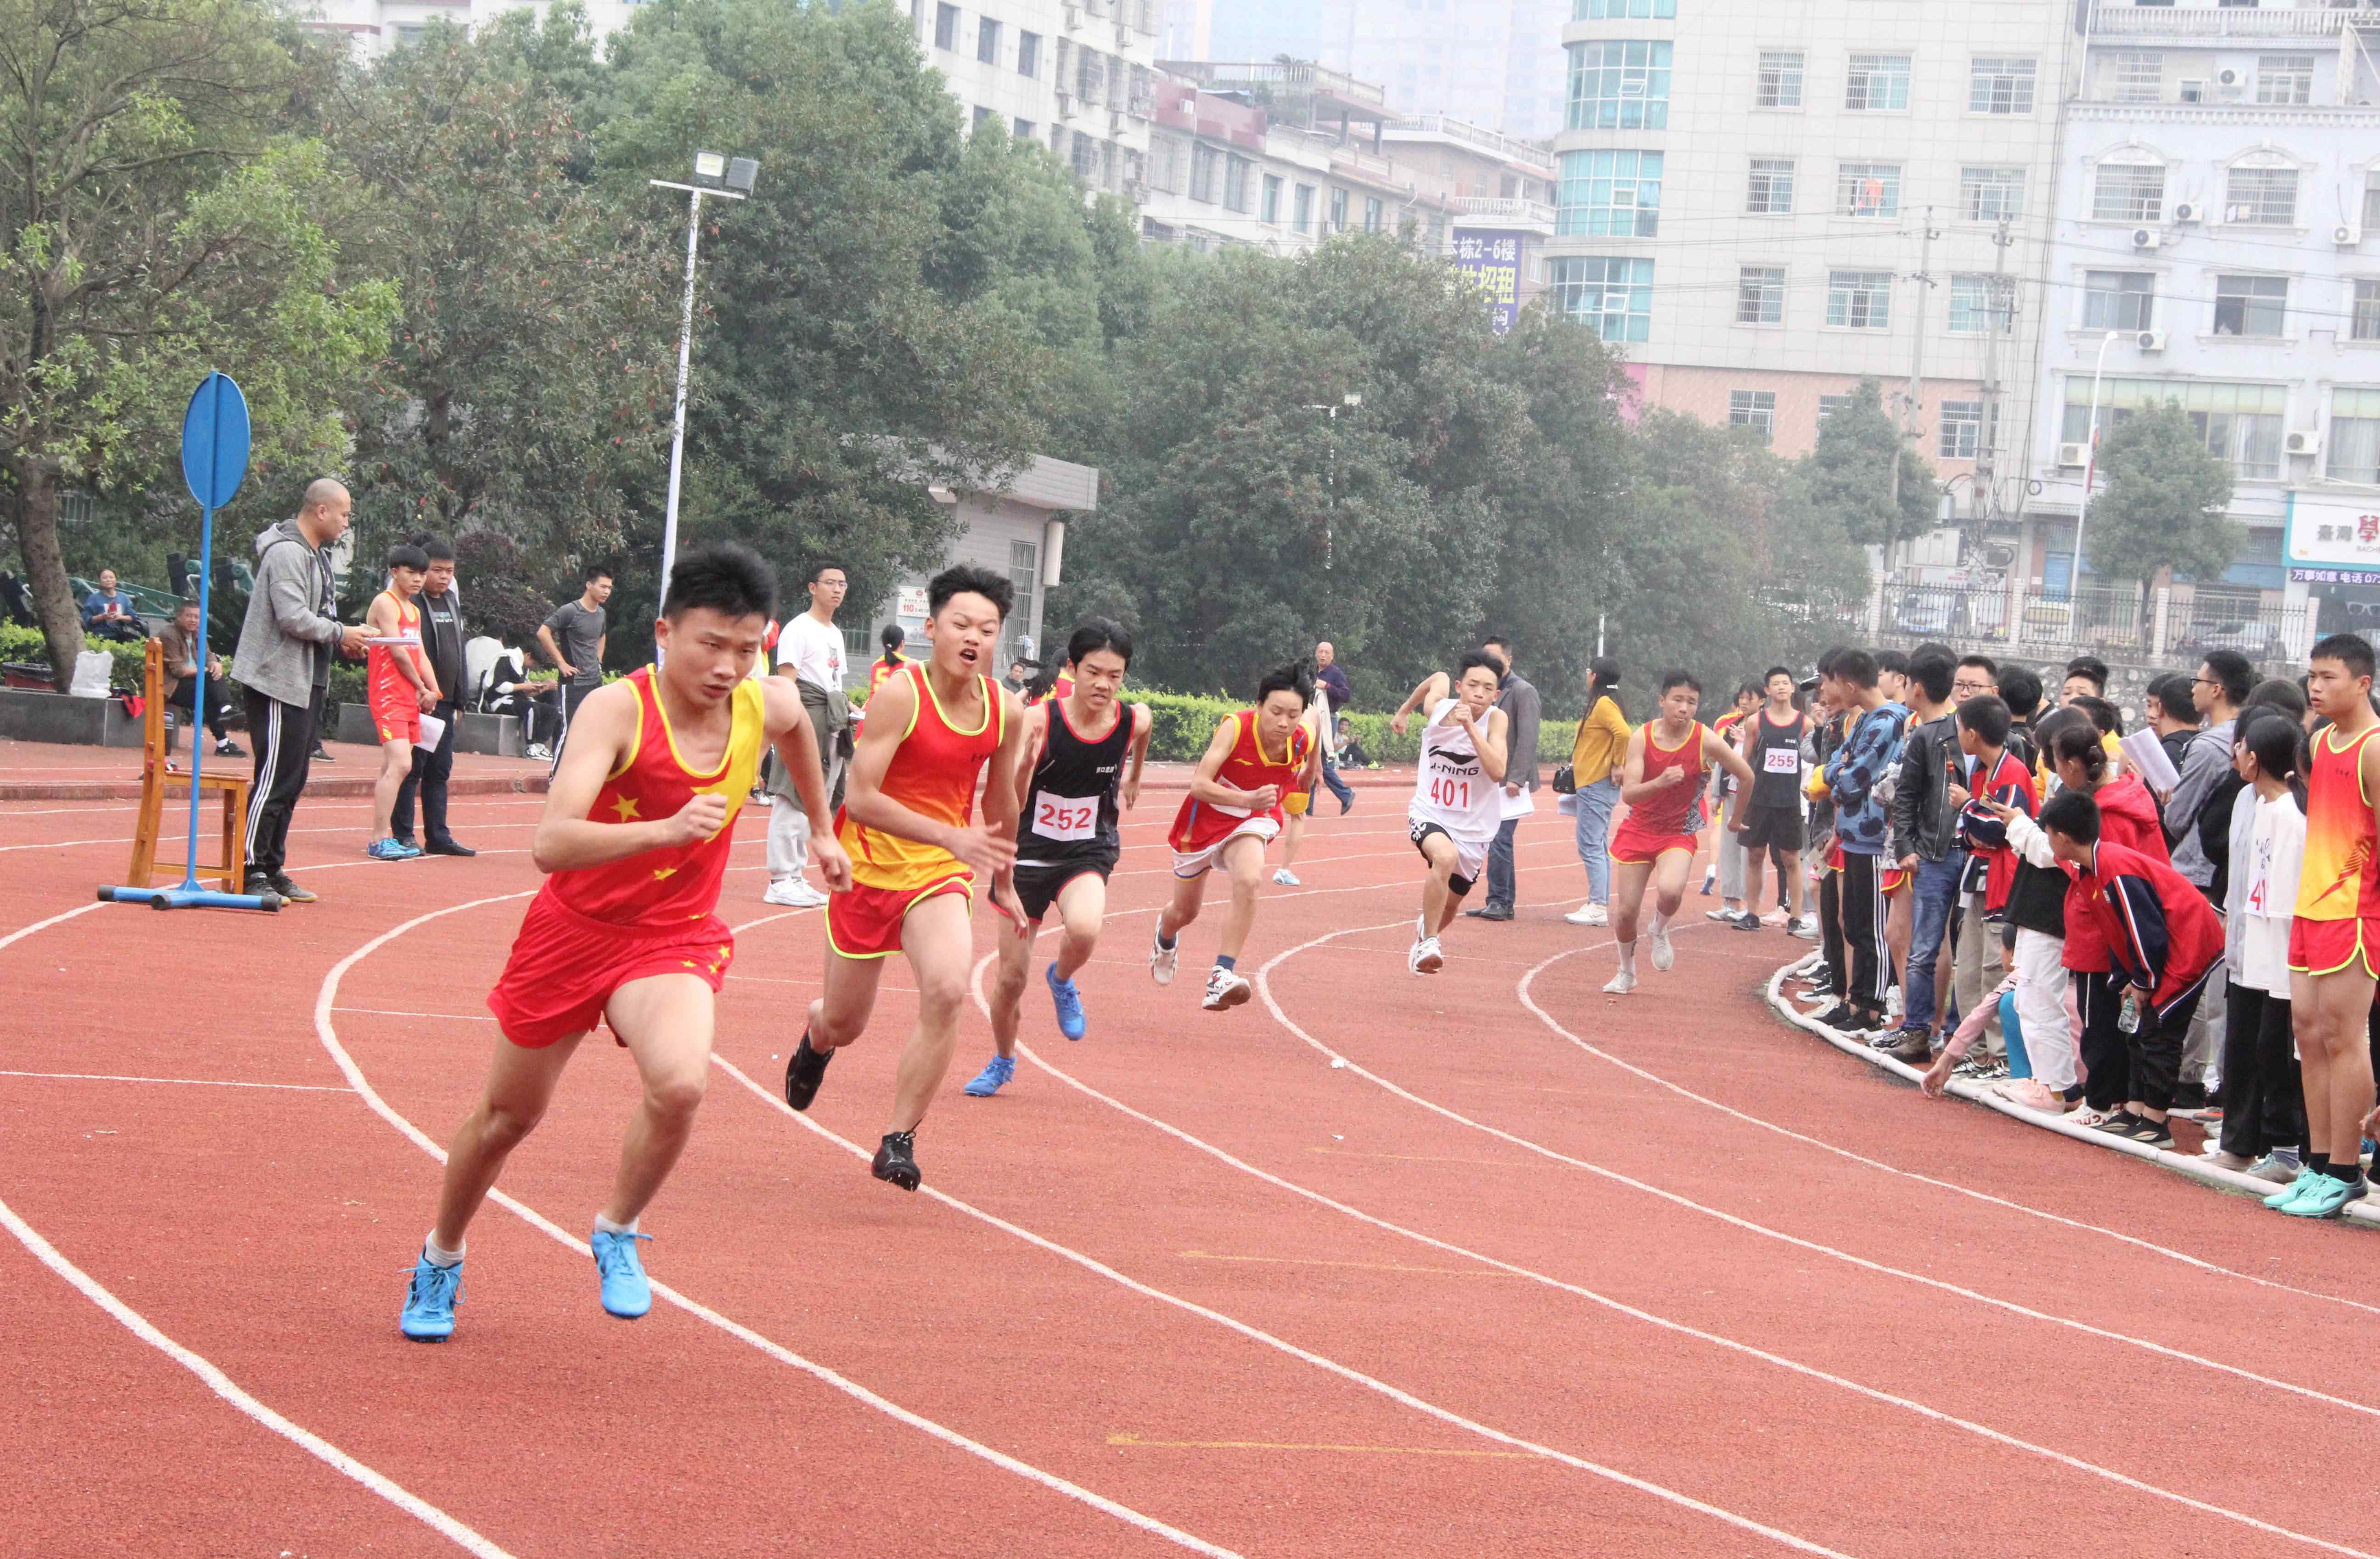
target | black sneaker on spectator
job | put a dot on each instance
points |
(2189, 1096)
(2118, 1123)
(1845, 1020)
(2151, 1133)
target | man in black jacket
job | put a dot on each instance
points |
(442, 640)
(1926, 802)
(1518, 699)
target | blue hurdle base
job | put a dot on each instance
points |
(190, 898)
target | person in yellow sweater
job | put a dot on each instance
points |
(1595, 761)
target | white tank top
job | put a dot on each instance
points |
(1452, 790)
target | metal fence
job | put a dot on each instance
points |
(2157, 624)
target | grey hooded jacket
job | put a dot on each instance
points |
(292, 624)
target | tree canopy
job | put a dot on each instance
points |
(2163, 505)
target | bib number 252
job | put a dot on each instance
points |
(1066, 817)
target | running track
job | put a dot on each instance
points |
(1535, 1271)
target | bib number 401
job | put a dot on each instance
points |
(1066, 817)
(1452, 794)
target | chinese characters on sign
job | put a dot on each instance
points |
(2331, 535)
(1493, 259)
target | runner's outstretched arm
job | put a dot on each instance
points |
(1426, 693)
(1036, 730)
(790, 731)
(602, 739)
(1213, 791)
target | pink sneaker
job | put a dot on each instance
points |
(1776, 917)
(2027, 1093)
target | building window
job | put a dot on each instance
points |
(1090, 75)
(1338, 211)
(1022, 130)
(987, 41)
(1608, 194)
(1877, 84)
(2261, 196)
(1609, 294)
(946, 27)
(1271, 211)
(1867, 189)
(2240, 423)
(1301, 207)
(1771, 190)
(1756, 409)
(1028, 54)
(2119, 300)
(2284, 78)
(1991, 194)
(1087, 158)
(1830, 404)
(1373, 211)
(1859, 300)
(1165, 163)
(1760, 294)
(984, 117)
(2135, 76)
(1623, 10)
(1978, 304)
(1235, 183)
(2128, 192)
(1960, 431)
(1204, 164)
(2372, 200)
(2364, 323)
(1780, 79)
(1023, 578)
(1620, 86)
(2000, 86)
(2354, 436)
(2250, 305)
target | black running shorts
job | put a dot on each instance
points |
(1774, 828)
(1038, 886)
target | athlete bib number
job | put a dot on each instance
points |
(1066, 817)
(1781, 760)
(1450, 794)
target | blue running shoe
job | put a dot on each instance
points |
(987, 1081)
(390, 849)
(626, 1294)
(2327, 1198)
(1071, 1020)
(430, 1304)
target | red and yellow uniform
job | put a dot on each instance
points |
(2338, 893)
(1665, 822)
(1202, 828)
(395, 708)
(933, 772)
(592, 929)
(883, 668)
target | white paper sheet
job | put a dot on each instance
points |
(433, 731)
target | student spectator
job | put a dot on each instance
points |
(108, 614)
(1993, 774)
(1729, 846)
(1853, 775)
(2168, 709)
(1597, 755)
(1352, 754)
(889, 639)
(577, 652)
(1332, 691)
(2263, 1103)
(1518, 699)
(1924, 827)
(2086, 677)
(809, 651)
(2021, 690)
(178, 644)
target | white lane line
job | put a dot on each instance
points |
(24, 931)
(1677, 1328)
(223, 1386)
(184, 1081)
(1263, 989)
(1330, 1366)
(1527, 1000)
(398, 1012)
(328, 1033)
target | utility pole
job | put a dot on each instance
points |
(2001, 317)
(1910, 401)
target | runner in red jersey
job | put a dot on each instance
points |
(635, 834)
(908, 823)
(2335, 937)
(1234, 810)
(1668, 760)
(399, 685)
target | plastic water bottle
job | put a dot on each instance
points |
(1710, 878)
(2128, 1020)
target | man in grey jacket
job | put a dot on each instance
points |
(2224, 680)
(1519, 701)
(284, 661)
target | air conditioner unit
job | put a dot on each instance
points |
(1065, 106)
(2193, 92)
(2303, 443)
(2345, 236)
(2226, 78)
(2185, 213)
(2151, 341)
(2146, 237)
(2074, 456)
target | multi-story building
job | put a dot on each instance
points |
(1762, 203)
(1500, 189)
(2218, 245)
(1072, 73)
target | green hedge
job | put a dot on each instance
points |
(28, 646)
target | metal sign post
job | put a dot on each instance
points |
(214, 462)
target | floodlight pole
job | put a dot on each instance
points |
(695, 193)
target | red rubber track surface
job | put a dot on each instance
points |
(1481, 1289)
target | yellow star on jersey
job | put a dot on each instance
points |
(661, 872)
(626, 806)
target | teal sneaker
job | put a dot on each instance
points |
(2326, 1199)
(1071, 1020)
(627, 1292)
(988, 1080)
(390, 849)
(429, 1315)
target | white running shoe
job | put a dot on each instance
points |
(1225, 990)
(1588, 914)
(794, 893)
(1805, 928)
(1286, 879)
(1424, 956)
(1163, 960)
(1622, 982)
(1776, 918)
(1664, 955)
(1718, 914)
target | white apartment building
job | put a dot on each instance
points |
(2219, 216)
(1075, 74)
(1760, 203)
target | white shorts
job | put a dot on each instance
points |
(1198, 862)
(1470, 858)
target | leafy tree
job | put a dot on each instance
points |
(2163, 505)
(1851, 473)
(157, 220)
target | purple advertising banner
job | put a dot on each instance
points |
(1493, 259)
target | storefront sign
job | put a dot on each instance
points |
(1493, 259)
(2331, 537)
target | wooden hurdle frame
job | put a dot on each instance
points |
(157, 773)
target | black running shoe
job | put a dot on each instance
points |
(897, 1160)
(804, 1070)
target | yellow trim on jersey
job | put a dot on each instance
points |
(1288, 748)
(635, 739)
(736, 717)
(990, 712)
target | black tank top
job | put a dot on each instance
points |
(1775, 755)
(1070, 807)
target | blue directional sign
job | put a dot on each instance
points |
(214, 442)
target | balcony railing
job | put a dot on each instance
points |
(1536, 153)
(1509, 209)
(1292, 78)
(2165, 626)
(2209, 21)
(1364, 162)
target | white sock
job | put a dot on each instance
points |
(1628, 957)
(605, 1225)
(439, 1257)
(1660, 924)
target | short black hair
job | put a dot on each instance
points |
(2021, 690)
(2172, 701)
(1856, 667)
(1933, 671)
(965, 579)
(2102, 714)
(436, 548)
(2073, 814)
(1934, 647)
(1501, 642)
(405, 554)
(2089, 666)
(187, 603)
(825, 564)
(1680, 678)
(1773, 672)
(600, 571)
(1477, 659)
(1291, 678)
(1826, 660)
(2350, 650)
(2234, 671)
(1892, 660)
(722, 577)
(1096, 634)
(1987, 718)
(2078, 740)
(1984, 663)
(2277, 693)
